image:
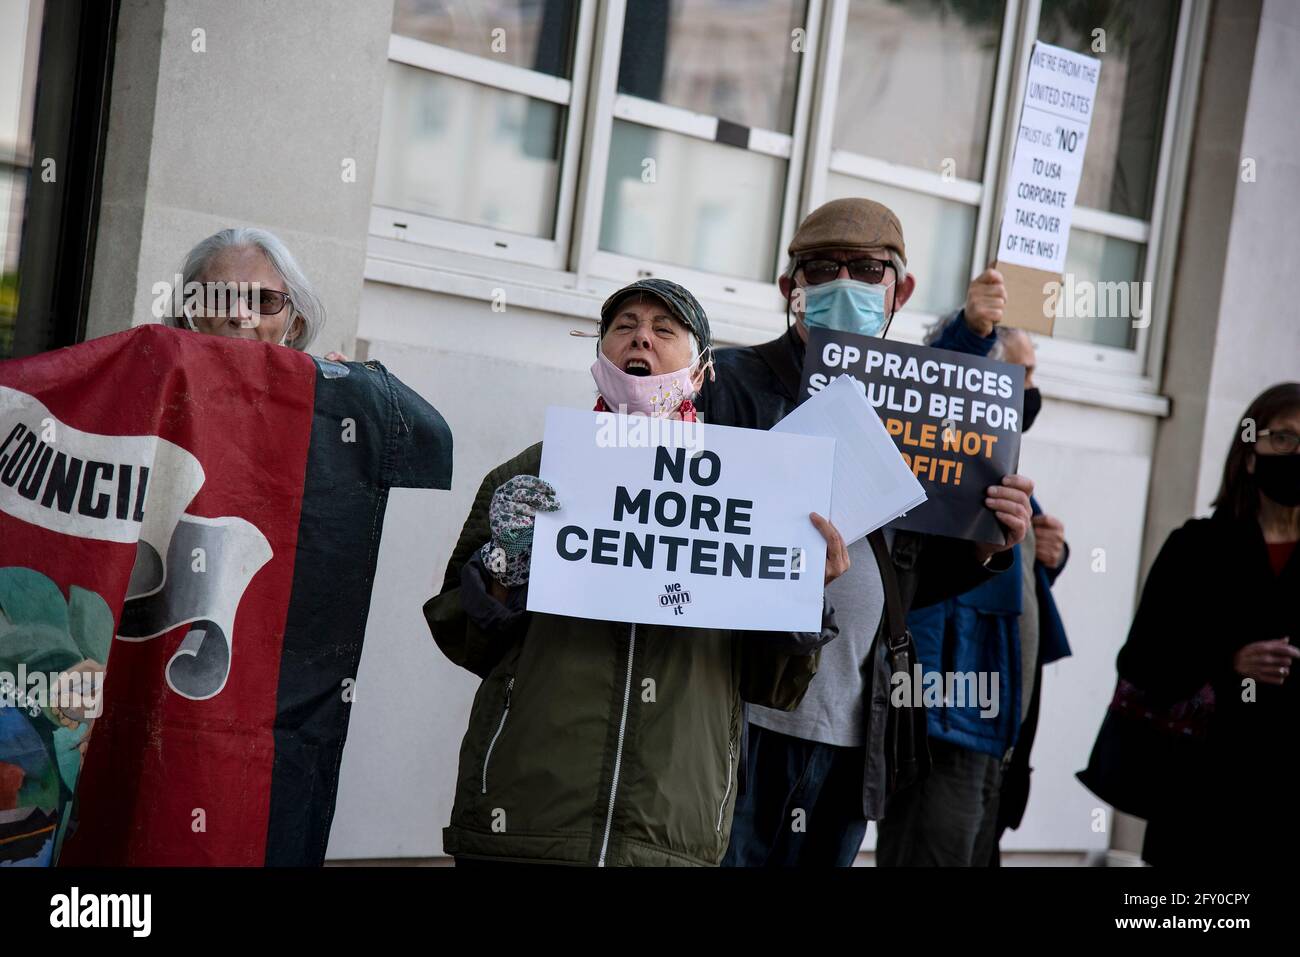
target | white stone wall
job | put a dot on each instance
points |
(200, 140)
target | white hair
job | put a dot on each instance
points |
(1005, 335)
(306, 305)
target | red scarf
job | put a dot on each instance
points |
(685, 411)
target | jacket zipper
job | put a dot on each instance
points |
(731, 757)
(618, 755)
(487, 758)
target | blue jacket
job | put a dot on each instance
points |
(979, 631)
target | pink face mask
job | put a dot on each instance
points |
(656, 396)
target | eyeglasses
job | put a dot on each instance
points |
(1281, 441)
(818, 271)
(221, 299)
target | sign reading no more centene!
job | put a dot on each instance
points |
(713, 533)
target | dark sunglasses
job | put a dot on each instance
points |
(818, 271)
(221, 299)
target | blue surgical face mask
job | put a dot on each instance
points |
(846, 305)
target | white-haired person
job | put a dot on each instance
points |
(244, 283)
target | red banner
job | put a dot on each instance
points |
(162, 472)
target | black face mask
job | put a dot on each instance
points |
(1033, 405)
(1278, 477)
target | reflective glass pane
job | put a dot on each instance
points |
(12, 195)
(916, 86)
(675, 199)
(20, 22)
(938, 233)
(470, 153)
(533, 34)
(1102, 290)
(1119, 168)
(733, 59)
(17, 19)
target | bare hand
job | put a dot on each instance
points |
(986, 299)
(1049, 540)
(837, 553)
(336, 357)
(1010, 503)
(1268, 662)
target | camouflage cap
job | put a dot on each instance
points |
(851, 223)
(684, 307)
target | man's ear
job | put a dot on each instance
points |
(787, 286)
(903, 291)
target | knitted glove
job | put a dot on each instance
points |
(511, 515)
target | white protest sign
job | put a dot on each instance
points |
(872, 484)
(681, 524)
(1051, 141)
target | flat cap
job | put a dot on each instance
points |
(850, 223)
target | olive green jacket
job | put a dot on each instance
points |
(598, 742)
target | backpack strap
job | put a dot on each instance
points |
(906, 752)
(897, 637)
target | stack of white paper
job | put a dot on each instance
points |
(871, 485)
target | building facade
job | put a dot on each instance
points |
(468, 180)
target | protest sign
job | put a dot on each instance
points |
(1051, 140)
(955, 418)
(871, 485)
(680, 523)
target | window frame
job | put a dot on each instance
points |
(488, 241)
(825, 158)
(1068, 358)
(608, 105)
(573, 264)
(68, 127)
(1137, 368)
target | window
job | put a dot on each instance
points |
(19, 28)
(675, 198)
(700, 145)
(1112, 219)
(607, 141)
(55, 64)
(470, 153)
(911, 124)
(480, 126)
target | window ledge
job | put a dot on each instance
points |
(414, 266)
(1104, 396)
